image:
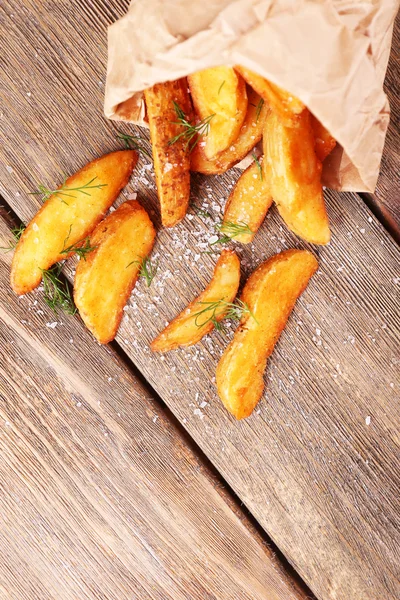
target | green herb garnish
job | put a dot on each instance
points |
(148, 270)
(259, 108)
(191, 133)
(222, 309)
(231, 230)
(81, 248)
(133, 142)
(256, 160)
(66, 191)
(221, 86)
(16, 232)
(56, 292)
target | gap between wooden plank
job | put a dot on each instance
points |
(225, 490)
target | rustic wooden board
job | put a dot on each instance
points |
(320, 480)
(101, 497)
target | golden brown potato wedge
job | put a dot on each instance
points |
(68, 216)
(198, 317)
(171, 158)
(294, 173)
(104, 281)
(324, 142)
(287, 106)
(247, 205)
(219, 94)
(270, 295)
(249, 135)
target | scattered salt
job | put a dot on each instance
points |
(367, 420)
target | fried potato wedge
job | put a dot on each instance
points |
(219, 94)
(294, 173)
(270, 294)
(198, 317)
(104, 281)
(287, 106)
(171, 158)
(68, 216)
(247, 205)
(324, 141)
(249, 135)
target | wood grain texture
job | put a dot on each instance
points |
(100, 497)
(317, 464)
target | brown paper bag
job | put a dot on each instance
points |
(332, 54)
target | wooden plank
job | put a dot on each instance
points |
(100, 496)
(387, 195)
(320, 480)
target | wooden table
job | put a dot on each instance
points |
(122, 476)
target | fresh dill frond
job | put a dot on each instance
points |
(191, 132)
(64, 190)
(227, 310)
(148, 270)
(221, 86)
(256, 160)
(56, 292)
(204, 213)
(231, 230)
(133, 142)
(16, 232)
(259, 108)
(81, 248)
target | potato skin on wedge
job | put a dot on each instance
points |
(294, 172)
(324, 141)
(104, 282)
(69, 215)
(249, 135)
(287, 106)
(171, 160)
(248, 203)
(270, 293)
(220, 92)
(189, 327)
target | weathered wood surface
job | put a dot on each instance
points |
(387, 195)
(100, 496)
(317, 464)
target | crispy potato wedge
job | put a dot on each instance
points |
(171, 160)
(69, 215)
(294, 173)
(197, 318)
(324, 141)
(249, 135)
(247, 205)
(104, 281)
(287, 106)
(270, 294)
(220, 92)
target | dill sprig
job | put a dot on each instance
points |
(257, 161)
(220, 87)
(133, 142)
(148, 270)
(16, 232)
(63, 190)
(259, 108)
(56, 292)
(231, 230)
(191, 133)
(81, 248)
(212, 310)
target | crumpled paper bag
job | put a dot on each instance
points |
(332, 54)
